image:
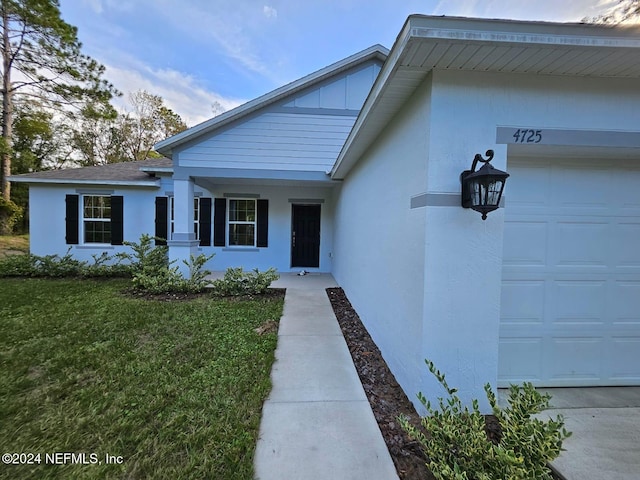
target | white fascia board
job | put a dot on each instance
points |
(378, 88)
(524, 32)
(58, 181)
(460, 29)
(166, 146)
(156, 169)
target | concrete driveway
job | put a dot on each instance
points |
(606, 432)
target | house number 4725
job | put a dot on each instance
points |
(524, 135)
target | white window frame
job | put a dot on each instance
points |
(196, 217)
(230, 222)
(86, 219)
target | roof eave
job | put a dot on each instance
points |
(67, 181)
(157, 169)
(421, 28)
(165, 147)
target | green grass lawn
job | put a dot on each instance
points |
(174, 388)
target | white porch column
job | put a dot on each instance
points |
(183, 242)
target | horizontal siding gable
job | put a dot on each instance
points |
(303, 132)
(274, 141)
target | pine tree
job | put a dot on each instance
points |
(41, 58)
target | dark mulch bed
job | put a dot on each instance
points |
(387, 399)
(385, 395)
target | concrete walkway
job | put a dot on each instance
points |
(317, 423)
(606, 432)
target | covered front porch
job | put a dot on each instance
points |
(283, 222)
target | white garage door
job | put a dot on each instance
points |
(571, 273)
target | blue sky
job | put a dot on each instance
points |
(194, 53)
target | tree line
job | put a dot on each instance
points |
(57, 109)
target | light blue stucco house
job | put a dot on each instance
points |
(355, 170)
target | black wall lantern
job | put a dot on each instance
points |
(482, 190)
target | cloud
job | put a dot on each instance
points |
(269, 12)
(239, 33)
(99, 6)
(182, 93)
(95, 5)
(541, 10)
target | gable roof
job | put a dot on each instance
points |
(139, 173)
(428, 43)
(166, 146)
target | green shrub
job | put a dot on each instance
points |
(103, 266)
(145, 255)
(157, 280)
(238, 282)
(10, 215)
(147, 264)
(24, 265)
(455, 441)
(55, 266)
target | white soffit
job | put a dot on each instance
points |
(467, 44)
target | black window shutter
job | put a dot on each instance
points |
(205, 222)
(219, 221)
(262, 236)
(117, 220)
(162, 219)
(71, 219)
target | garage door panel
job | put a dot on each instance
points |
(626, 302)
(628, 197)
(625, 359)
(625, 244)
(578, 301)
(580, 244)
(570, 303)
(575, 360)
(523, 302)
(582, 190)
(514, 365)
(533, 187)
(531, 251)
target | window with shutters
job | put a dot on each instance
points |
(96, 218)
(242, 222)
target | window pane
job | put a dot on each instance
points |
(96, 206)
(97, 232)
(242, 234)
(242, 210)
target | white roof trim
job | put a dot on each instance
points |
(166, 146)
(378, 109)
(156, 169)
(68, 181)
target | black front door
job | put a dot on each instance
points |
(305, 236)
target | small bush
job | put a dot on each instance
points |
(103, 266)
(146, 255)
(147, 264)
(158, 280)
(55, 266)
(10, 214)
(238, 282)
(25, 265)
(458, 447)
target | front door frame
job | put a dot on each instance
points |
(310, 256)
